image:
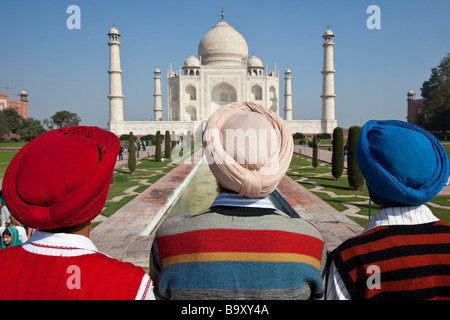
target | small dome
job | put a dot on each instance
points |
(328, 33)
(288, 70)
(223, 45)
(192, 61)
(157, 70)
(410, 93)
(113, 31)
(254, 62)
(23, 93)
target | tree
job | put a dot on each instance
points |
(131, 153)
(158, 146)
(30, 128)
(126, 137)
(3, 125)
(337, 158)
(12, 120)
(355, 177)
(62, 119)
(315, 159)
(168, 145)
(435, 115)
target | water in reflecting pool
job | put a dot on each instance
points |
(199, 194)
(201, 191)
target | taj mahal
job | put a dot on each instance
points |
(222, 73)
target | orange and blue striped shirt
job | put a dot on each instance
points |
(241, 248)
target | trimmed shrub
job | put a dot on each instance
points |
(168, 145)
(323, 136)
(355, 177)
(131, 153)
(315, 159)
(337, 158)
(158, 146)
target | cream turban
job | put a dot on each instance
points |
(248, 148)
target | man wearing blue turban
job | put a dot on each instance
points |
(404, 252)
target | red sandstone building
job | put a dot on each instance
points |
(415, 106)
(20, 105)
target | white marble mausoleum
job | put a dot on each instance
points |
(222, 73)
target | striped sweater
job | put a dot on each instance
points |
(237, 253)
(397, 262)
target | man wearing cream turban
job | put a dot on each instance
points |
(57, 183)
(242, 247)
(404, 252)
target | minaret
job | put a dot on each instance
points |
(328, 95)
(115, 77)
(287, 96)
(157, 95)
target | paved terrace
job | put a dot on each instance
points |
(126, 234)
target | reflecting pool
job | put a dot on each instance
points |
(198, 195)
(201, 191)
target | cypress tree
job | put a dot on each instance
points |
(131, 153)
(315, 159)
(158, 146)
(355, 177)
(168, 145)
(337, 158)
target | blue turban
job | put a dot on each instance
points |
(402, 163)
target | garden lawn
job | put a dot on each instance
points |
(126, 186)
(338, 193)
(5, 159)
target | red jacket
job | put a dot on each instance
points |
(42, 270)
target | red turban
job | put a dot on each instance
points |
(61, 178)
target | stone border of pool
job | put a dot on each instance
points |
(334, 226)
(126, 234)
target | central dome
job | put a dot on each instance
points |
(223, 45)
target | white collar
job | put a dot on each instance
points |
(409, 215)
(236, 200)
(59, 244)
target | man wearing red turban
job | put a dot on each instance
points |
(58, 183)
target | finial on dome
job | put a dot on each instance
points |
(223, 16)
